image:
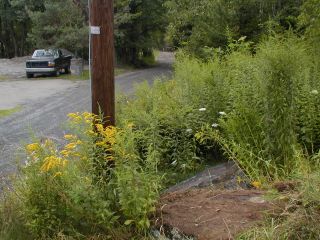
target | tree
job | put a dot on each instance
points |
(139, 27)
(209, 23)
(310, 19)
(14, 25)
(61, 24)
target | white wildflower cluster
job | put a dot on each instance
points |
(215, 125)
(202, 109)
(189, 130)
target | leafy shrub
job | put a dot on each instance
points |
(137, 186)
(271, 107)
(269, 103)
(163, 126)
(95, 184)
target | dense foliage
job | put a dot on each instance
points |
(198, 25)
(14, 26)
(28, 24)
(61, 25)
(139, 28)
(141, 25)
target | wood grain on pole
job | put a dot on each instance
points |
(102, 50)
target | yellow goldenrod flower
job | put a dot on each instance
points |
(73, 115)
(76, 154)
(70, 146)
(57, 174)
(130, 125)
(48, 143)
(65, 153)
(77, 119)
(33, 147)
(256, 184)
(88, 116)
(69, 137)
(90, 132)
(110, 158)
(49, 163)
(99, 127)
(101, 144)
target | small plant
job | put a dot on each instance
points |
(300, 217)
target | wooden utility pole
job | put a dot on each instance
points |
(102, 52)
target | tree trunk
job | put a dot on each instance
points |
(134, 56)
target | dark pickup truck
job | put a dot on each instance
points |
(48, 61)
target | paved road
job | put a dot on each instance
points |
(44, 116)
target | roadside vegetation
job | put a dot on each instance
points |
(255, 102)
(8, 112)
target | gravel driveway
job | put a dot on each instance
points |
(46, 103)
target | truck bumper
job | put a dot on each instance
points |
(40, 70)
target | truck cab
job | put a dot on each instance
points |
(48, 62)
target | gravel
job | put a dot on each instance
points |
(46, 103)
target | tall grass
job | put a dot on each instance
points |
(269, 103)
(270, 100)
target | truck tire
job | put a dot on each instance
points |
(56, 73)
(67, 70)
(29, 75)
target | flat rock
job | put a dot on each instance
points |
(223, 176)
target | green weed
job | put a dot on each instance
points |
(8, 112)
(299, 218)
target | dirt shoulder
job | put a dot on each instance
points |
(208, 214)
(217, 203)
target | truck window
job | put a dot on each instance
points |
(43, 53)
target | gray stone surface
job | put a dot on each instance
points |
(225, 175)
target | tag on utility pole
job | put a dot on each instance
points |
(94, 30)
